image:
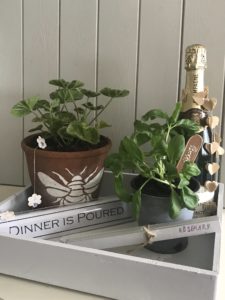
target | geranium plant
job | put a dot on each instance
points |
(70, 119)
(164, 143)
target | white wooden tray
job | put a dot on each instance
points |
(190, 274)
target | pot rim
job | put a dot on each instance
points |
(193, 179)
(69, 154)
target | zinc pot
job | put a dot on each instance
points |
(155, 202)
(63, 178)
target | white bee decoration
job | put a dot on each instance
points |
(74, 191)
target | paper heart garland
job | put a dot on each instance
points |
(210, 104)
(198, 100)
(212, 168)
(220, 151)
(216, 137)
(211, 186)
(213, 121)
(212, 147)
(206, 90)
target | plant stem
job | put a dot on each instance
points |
(74, 103)
(168, 133)
(163, 181)
(101, 111)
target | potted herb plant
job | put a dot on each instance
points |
(160, 192)
(66, 155)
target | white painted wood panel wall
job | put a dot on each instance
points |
(133, 44)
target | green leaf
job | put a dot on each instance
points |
(102, 124)
(32, 102)
(58, 82)
(153, 114)
(83, 131)
(136, 199)
(176, 148)
(54, 103)
(190, 199)
(188, 125)
(131, 150)
(113, 93)
(184, 181)
(190, 169)
(141, 126)
(120, 189)
(91, 106)
(38, 128)
(89, 94)
(66, 95)
(170, 170)
(42, 104)
(79, 110)
(159, 145)
(175, 205)
(142, 138)
(175, 115)
(74, 94)
(61, 94)
(25, 107)
(65, 117)
(113, 163)
(75, 84)
(21, 109)
(67, 139)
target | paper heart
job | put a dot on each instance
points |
(212, 147)
(220, 151)
(212, 168)
(200, 94)
(217, 138)
(198, 100)
(211, 186)
(210, 104)
(206, 90)
(213, 121)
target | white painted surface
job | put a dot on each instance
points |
(132, 44)
(11, 129)
(167, 272)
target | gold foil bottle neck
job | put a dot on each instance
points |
(195, 57)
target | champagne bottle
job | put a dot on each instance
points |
(193, 97)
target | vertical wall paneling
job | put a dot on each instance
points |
(78, 38)
(160, 37)
(118, 43)
(204, 24)
(41, 49)
(132, 44)
(10, 90)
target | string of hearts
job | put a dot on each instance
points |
(214, 147)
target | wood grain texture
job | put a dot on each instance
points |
(158, 73)
(117, 62)
(78, 41)
(11, 129)
(41, 52)
(209, 31)
(108, 274)
(126, 44)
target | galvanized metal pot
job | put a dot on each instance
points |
(155, 210)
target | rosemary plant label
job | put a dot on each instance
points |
(191, 150)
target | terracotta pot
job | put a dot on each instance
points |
(63, 178)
